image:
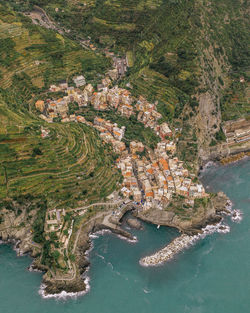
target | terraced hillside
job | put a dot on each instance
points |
(40, 56)
(72, 157)
(188, 55)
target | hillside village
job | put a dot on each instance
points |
(151, 176)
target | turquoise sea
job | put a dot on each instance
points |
(213, 276)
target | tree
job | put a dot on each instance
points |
(37, 151)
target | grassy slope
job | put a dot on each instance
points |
(180, 49)
(173, 43)
(73, 156)
(167, 39)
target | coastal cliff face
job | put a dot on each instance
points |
(190, 223)
(17, 228)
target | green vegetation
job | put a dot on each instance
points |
(72, 157)
(202, 202)
(235, 100)
(38, 226)
(170, 46)
(134, 130)
(32, 58)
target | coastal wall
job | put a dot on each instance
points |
(234, 158)
(223, 151)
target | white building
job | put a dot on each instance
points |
(79, 81)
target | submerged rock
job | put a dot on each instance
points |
(134, 223)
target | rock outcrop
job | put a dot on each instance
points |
(134, 223)
(194, 222)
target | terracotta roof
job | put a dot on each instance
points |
(39, 102)
(99, 119)
(150, 171)
(117, 133)
(155, 165)
(128, 105)
(128, 174)
(164, 164)
(126, 92)
(149, 194)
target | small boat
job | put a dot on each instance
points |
(158, 226)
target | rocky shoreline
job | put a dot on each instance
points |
(62, 287)
(191, 231)
(235, 158)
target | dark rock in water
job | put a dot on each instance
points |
(83, 264)
(134, 223)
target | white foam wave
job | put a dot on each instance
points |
(31, 268)
(210, 229)
(87, 252)
(98, 233)
(237, 216)
(93, 236)
(111, 265)
(100, 256)
(134, 240)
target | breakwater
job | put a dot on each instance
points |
(181, 243)
(167, 253)
(234, 158)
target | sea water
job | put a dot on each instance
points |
(213, 276)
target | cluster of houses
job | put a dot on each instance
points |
(111, 133)
(149, 116)
(153, 181)
(120, 64)
(105, 98)
(53, 108)
(150, 181)
(130, 187)
(114, 98)
(83, 94)
(237, 131)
